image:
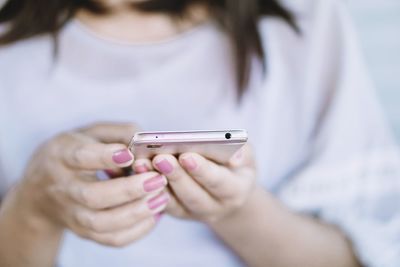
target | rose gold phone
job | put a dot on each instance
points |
(215, 145)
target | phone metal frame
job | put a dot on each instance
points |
(218, 145)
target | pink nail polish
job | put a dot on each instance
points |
(158, 216)
(158, 201)
(141, 169)
(165, 167)
(189, 163)
(122, 156)
(154, 183)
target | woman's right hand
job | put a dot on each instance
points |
(60, 188)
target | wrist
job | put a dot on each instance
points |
(30, 239)
(249, 207)
(19, 209)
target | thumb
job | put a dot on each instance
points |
(243, 157)
(111, 132)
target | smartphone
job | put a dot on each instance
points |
(218, 146)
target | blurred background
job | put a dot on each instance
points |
(378, 24)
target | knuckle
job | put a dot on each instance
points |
(63, 138)
(52, 148)
(95, 126)
(193, 203)
(116, 241)
(76, 219)
(92, 127)
(236, 203)
(83, 234)
(213, 184)
(60, 138)
(230, 196)
(53, 145)
(136, 214)
(85, 196)
(95, 224)
(78, 155)
(176, 211)
(92, 222)
(86, 220)
(132, 190)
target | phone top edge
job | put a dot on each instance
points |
(193, 132)
(168, 137)
(197, 141)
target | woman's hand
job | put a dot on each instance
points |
(239, 212)
(60, 188)
(202, 189)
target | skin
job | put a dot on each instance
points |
(228, 199)
(59, 189)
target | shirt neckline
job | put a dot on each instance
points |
(183, 37)
(84, 53)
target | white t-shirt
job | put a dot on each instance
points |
(321, 142)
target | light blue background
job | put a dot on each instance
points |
(378, 22)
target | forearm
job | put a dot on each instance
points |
(25, 240)
(264, 233)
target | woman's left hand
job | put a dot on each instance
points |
(202, 189)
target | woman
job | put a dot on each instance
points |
(327, 167)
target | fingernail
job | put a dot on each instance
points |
(189, 163)
(155, 183)
(158, 201)
(141, 169)
(158, 216)
(122, 156)
(164, 166)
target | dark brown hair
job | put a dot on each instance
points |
(239, 18)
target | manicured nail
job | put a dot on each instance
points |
(122, 156)
(158, 201)
(155, 183)
(141, 169)
(158, 216)
(164, 166)
(189, 163)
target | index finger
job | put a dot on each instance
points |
(242, 157)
